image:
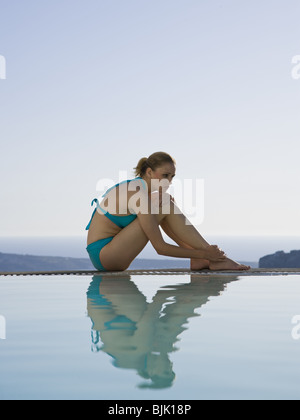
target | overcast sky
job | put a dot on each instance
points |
(92, 86)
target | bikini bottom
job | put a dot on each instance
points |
(94, 250)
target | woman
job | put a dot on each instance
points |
(129, 217)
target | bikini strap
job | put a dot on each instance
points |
(97, 202)
(124, 182)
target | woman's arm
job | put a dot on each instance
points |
(151, 228)
(139, 203)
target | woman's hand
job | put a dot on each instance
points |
(214, 253)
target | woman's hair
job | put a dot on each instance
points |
(154, 161)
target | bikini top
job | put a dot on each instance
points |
(120, 221)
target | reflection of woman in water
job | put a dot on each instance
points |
(140, 335)
(131, 214)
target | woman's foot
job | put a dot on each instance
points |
(197, 265)
(227, 264)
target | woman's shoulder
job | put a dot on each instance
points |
(128, 185)
(137, 183)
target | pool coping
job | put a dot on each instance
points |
(171, 271)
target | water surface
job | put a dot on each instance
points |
(149, 337)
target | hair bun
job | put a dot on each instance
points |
(154, 161)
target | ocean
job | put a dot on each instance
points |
(240, 248)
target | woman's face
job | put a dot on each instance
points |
(165, 172)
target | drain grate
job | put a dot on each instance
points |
(165, 272)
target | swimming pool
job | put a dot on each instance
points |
(150, 337)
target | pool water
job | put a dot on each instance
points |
(176, 337)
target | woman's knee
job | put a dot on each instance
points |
(162, 203)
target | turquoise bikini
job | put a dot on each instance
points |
(95, 248)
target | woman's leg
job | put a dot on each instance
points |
(125, 247)
(196, 264)
(128, 244)
(187, 236)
